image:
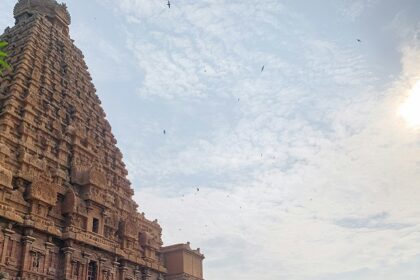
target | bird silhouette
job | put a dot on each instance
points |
(169, 4)
(164, 131)
(198, 189)
(262, 69)
(358, 40)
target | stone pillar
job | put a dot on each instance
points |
(27, 244)
(100, 265)
(137, 274)
(86, 256)
(8, 233)
(115, 266)
(123, 272)
(68, 252)
(146, 274)
(47, 266)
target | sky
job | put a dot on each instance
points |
(307, 170)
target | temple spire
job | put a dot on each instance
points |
(55, 12)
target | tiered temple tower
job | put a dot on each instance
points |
(66, 207)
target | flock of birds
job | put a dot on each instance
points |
(262, 70)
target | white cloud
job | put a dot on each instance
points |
(106, 61)
(356, 8)
(7, 18)
(365, 163)
(315, 171)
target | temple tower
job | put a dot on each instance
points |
(66, 207)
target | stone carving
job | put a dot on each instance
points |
(129, 228)
(85, 176)
(97, 177)
(6, 177)
(43, 191)
(4, 151)
(145, 238)
(110, 199)
(69, 203)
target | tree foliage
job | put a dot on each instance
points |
(3, 55)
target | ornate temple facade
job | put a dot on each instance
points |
(66, 207)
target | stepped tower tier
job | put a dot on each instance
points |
(50, 9)
(66, 207)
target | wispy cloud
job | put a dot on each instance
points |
(299, 165)
(375, 222)
(7, 19)
(354, 9)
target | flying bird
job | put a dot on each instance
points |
(169, 4)
(262, 69)
(358, 40)
(164, 131)
(198, 189)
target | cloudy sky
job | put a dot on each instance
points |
(308, 170)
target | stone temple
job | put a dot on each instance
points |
(66, 207)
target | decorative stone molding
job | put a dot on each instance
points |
(6, 177)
